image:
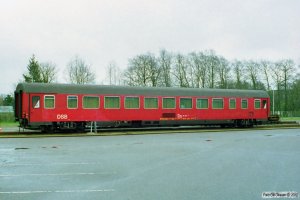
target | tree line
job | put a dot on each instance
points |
(203, 69)
(206, 69)
(77, 72)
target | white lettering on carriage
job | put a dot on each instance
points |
(62, 116)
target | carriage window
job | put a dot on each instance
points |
(151, 103)
(264, 104)
(257, 104)
(186, 103)
(112, 102)
(72, 102)
(49, 101)
(90, 102)
(232, 103)
(202, 103)
(132, 102)
(217, 104)
(244, 104)
(169, 102)
(35, 102)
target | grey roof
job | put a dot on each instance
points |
(52, 88)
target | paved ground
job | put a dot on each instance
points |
(224, 165)
(14, 129)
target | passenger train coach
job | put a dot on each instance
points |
(51, 107)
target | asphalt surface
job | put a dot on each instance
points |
(212, 165)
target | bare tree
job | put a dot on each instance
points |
(253, 70)
(277, 78)
(143, 70)
(79, 72)
(165, 64)
(211, 63)
(266, 67)
(288, 68)
(238, 69)
(154, 71)
(113, 73)
(223, 72)
(197, 62)
(48, 72)
(181, 71)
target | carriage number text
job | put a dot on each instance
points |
(62, 116)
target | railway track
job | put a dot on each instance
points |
(140, 131)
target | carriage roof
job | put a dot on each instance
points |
(56, 88)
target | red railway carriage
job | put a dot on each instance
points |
(63, 106)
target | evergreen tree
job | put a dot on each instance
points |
(34, 71)
(8, 100)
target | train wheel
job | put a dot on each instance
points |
(80, 127)
(47, 129)
(250, 123)
(241, 123)
(244, 123)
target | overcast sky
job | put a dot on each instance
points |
(101, 31)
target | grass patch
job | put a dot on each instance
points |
(289, 118)
(7, 120)
(9, 124)
(7, 117)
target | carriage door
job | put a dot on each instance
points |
(35, 110)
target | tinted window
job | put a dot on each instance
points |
(151, 102)
(132, 102)
(90, 102)
(186, 103)
(264, 104)
(232, 103)
(257, 104)
(35, 102)
(169, 103)
(217, 104)
(202, 103)
(72, 101)
(49, 101)
(244, 104)
(112, 102)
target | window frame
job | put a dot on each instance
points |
(242, 103)
(112, 97)
(49, 95)
(264, 103)
(202, 98)
(139, 103)
(168, 98)
(151, 98)
(212, 103)
(190, 98)
(37, 104)
(93, 97)
(257, 100)
(76, 100)
(234, 103)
